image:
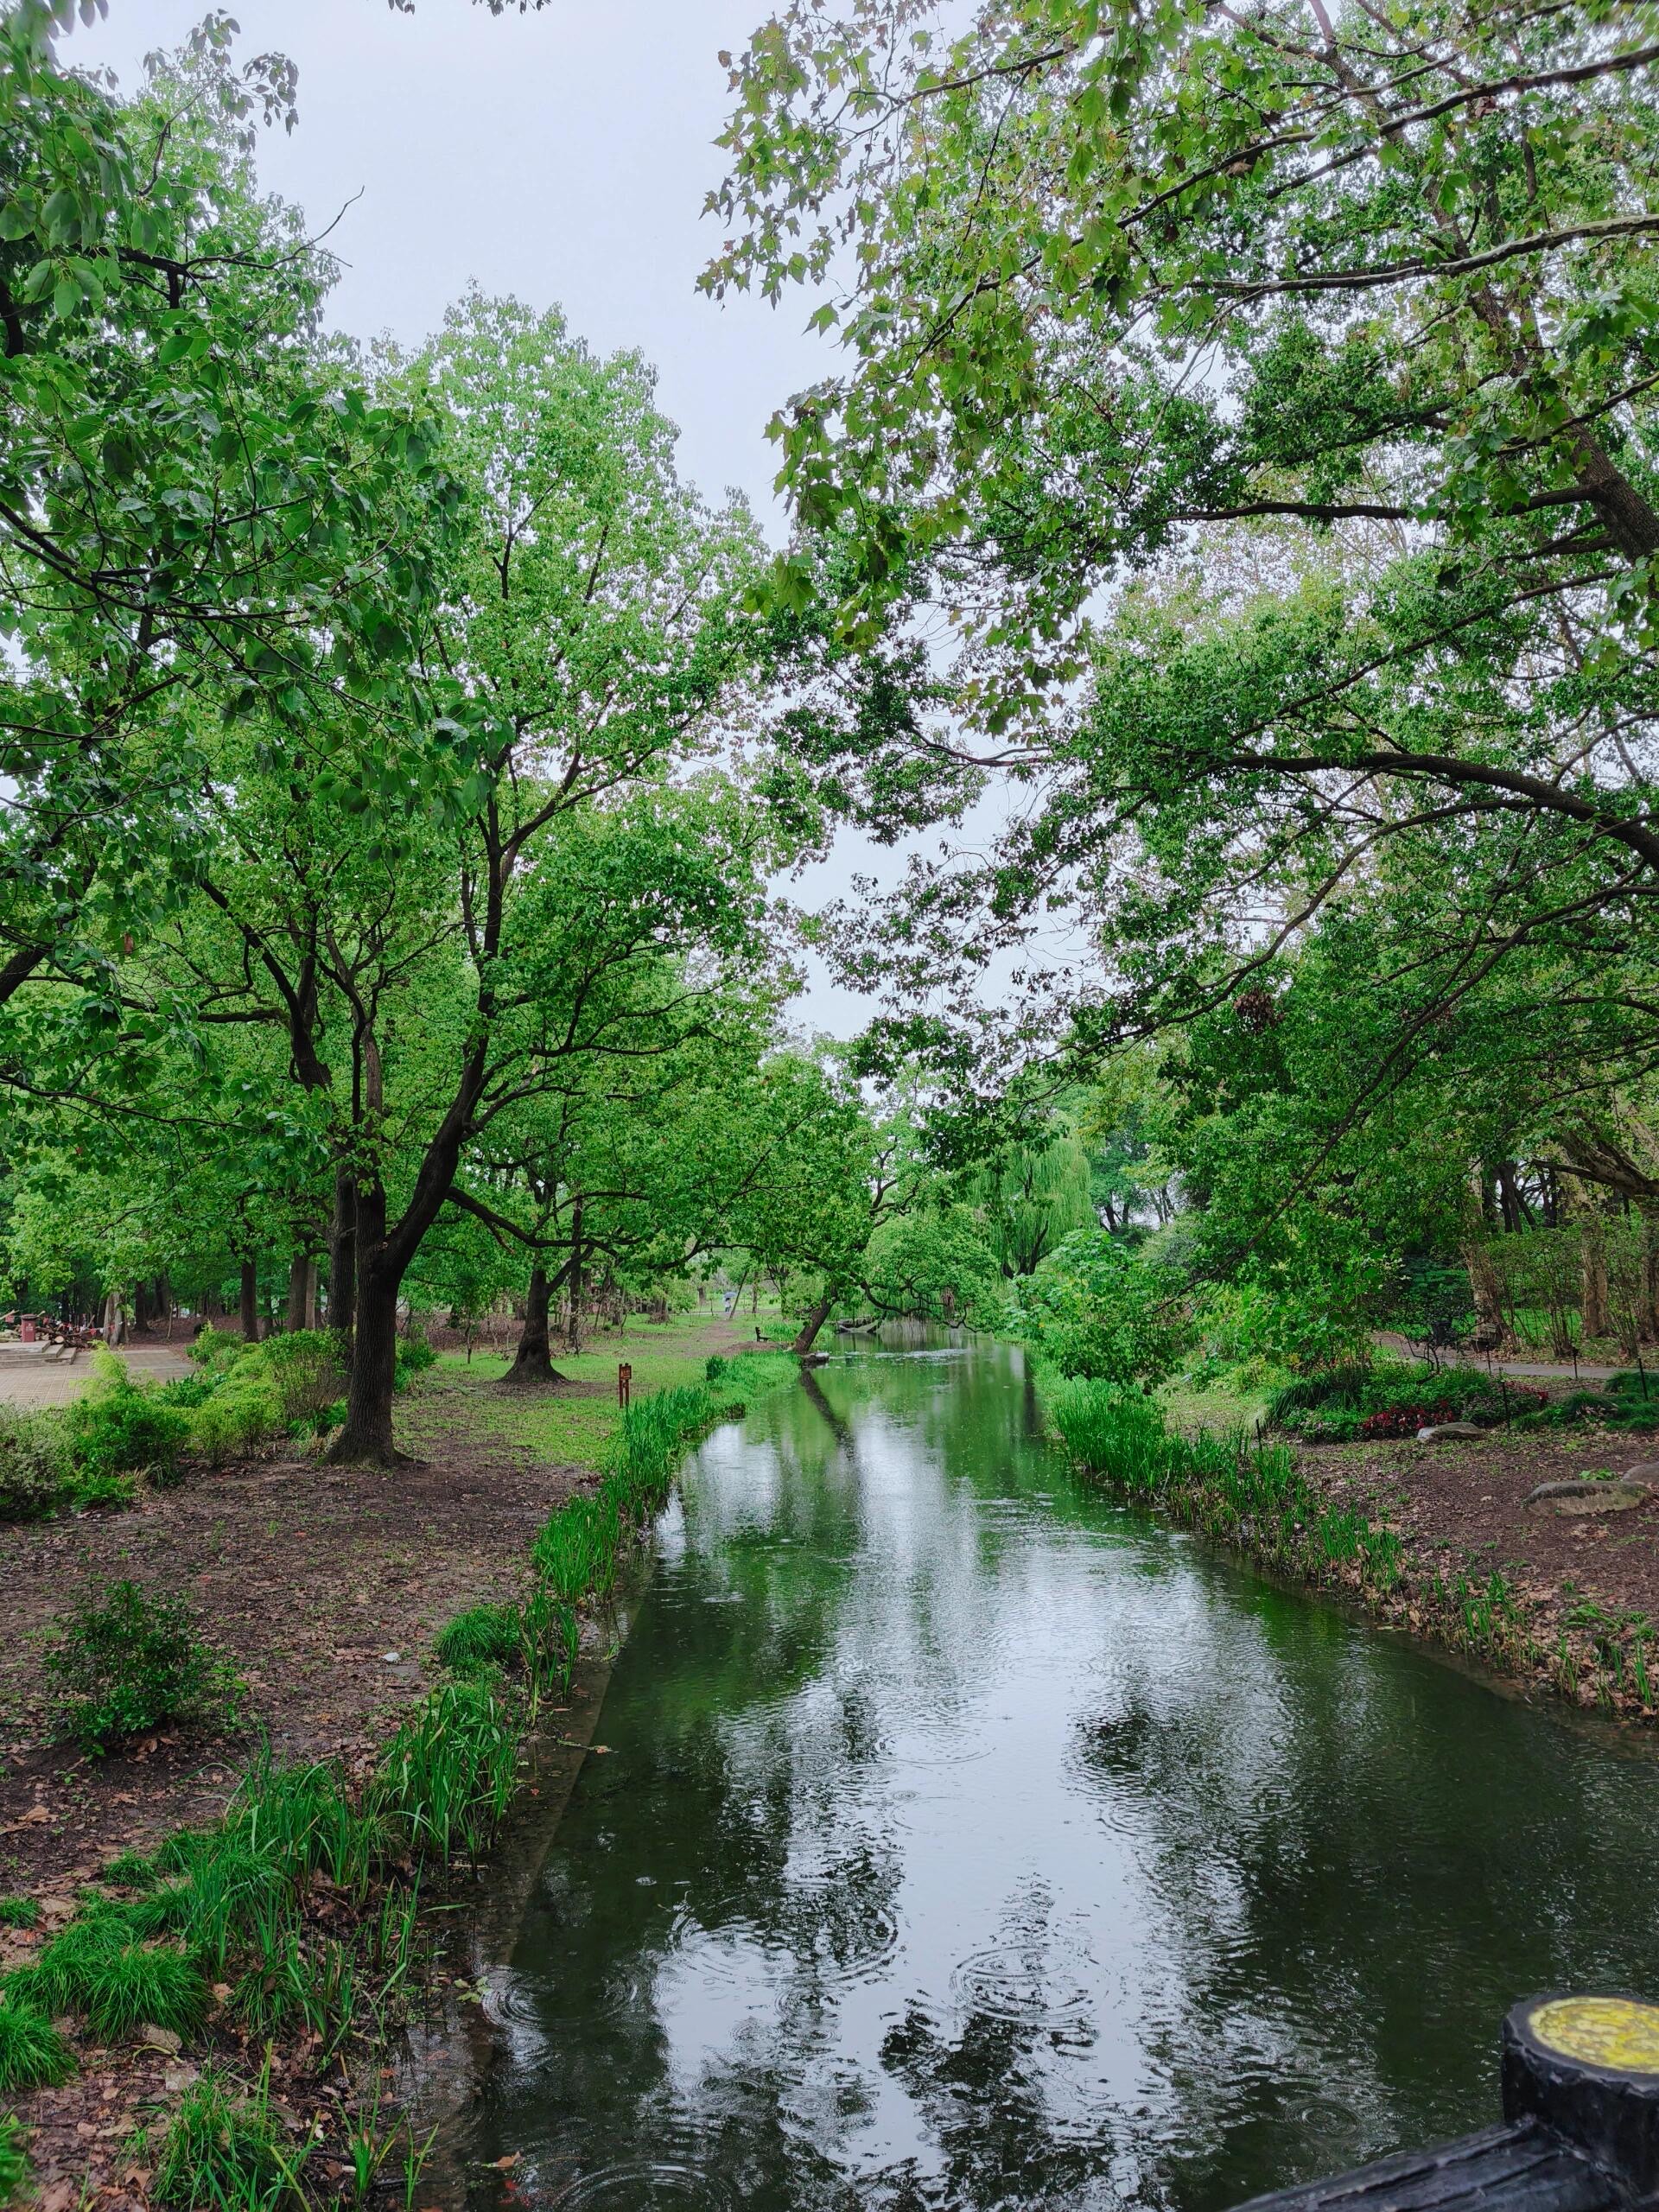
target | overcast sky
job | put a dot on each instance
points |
(562, 156)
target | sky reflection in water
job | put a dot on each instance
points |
(968, 1840)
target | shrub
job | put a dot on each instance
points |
(242, 1411)
(306, 1370)
(128, 1660)
(413, 1356)
(33, 2055)
(1341, 1403)
(214, 1350)
(103, 1968)
(186, 1392)
(116, 1428)
(33, 1464)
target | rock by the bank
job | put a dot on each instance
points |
(1442, 1432)
(1575, 1498)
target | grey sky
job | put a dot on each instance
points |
(562, 156)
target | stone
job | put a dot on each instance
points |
(1445, 1432)
(162, 2039)
(1573, 1500)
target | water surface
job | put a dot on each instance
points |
(965, 1839)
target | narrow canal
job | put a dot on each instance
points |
(965, 1840)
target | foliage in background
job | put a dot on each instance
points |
(1096, 1308)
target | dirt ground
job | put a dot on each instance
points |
(324, 1587)
(1462, 1504)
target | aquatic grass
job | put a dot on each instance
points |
(33, 2054)
(224, 2150)
(450, 1771)
(574, 1554)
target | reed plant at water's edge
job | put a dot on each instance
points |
(1256, 1497)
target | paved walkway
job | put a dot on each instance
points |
(31, 1375)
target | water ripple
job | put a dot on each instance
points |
(632, 2183)
(1019, 1981)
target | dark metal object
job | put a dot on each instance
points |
(1580, 2134)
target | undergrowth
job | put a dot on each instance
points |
(302, 1900)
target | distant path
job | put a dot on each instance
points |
(1556, 1370)
(29, 1377)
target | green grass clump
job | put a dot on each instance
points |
(33, 2055)
(223, 2151)
(14, 2160)
(483, 1636)
(18, 1912)
(118, 1978)
(130, 1660)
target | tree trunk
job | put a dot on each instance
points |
(250, 1301)
(1650, 1274)
(576, 1274)
(1485, 1290)
(1486, 1293)
(367, 1433)
(532, 1366)
(141, 1308)
(299, 1270)
(342, 1252)
(1595, 1309)
(810, 1327)
(115, 1319)
(209, 1306)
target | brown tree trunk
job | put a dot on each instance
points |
(808, 1329)
(342, 1254)
(367, 1433)
(209, 1306)
(576, 1274)
(1486, 1293)
(1649, 1315)
(299, 1272)
(250, 1300)
(532, 1366)
(141, 1308)
(1595, 1310)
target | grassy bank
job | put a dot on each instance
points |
(1257, 1497)
(275, 1949)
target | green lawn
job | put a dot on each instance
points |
(570, 1431)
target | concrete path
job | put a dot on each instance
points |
(31, 1376)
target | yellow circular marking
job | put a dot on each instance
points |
(1611, 2031)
